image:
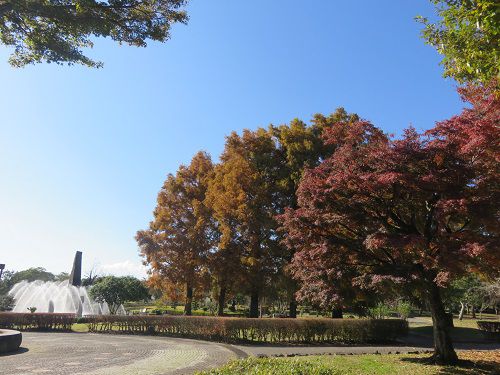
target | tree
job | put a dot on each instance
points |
(57, 30)
(31, 274)
(62, 276)
(466, 292)
(301, 147)
(179, 238)
(6, 302)
(467, 35)
(243, 195)
(117, 290)
(416, 211)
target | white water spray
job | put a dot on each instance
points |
(56, 297)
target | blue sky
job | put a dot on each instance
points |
(84, 152)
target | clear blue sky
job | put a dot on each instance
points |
(84, 152)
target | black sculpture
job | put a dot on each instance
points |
(75, 278)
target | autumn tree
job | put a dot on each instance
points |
(300, 146)
(243, 196)
(467, 35)
(57, 30)
(415, 212)
(179, 238)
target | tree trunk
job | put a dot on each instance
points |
(293, 308)
(254, 304)
(443, 346)
(222, 301)
(337, 313)
(473, 311)
(189, 300)
(462, 310)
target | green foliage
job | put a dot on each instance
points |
(32, 274)
(6, 302)
(117, 290)
(466, 290)
(380, 311)
(63, 276)
(57, 30)
(467, 35)
(403, 309)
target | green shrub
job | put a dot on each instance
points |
(271, 330)
(404, 309)
(380, 311)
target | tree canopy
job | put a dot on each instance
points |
(117, 290)
(180, 236)
(414, 211)
(468, 36)
(58, 30)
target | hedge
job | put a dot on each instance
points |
(255, 330)
(37, 321)
(227, 329)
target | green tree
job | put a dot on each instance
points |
(180, 236)
(468, 37)
(9, 279)
(6, 302)
(57, 30)
(465, 292)
(117, 290)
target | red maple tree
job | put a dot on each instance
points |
(416, 211)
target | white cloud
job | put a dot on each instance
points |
(126, 268)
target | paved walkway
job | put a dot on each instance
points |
(412, 344)
(94, 354)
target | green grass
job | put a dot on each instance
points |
(355, 365)
(80, 327)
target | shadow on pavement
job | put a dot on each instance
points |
(18, 351)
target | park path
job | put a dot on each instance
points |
(98, 354)
(94, 354)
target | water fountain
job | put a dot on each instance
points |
(58, 297)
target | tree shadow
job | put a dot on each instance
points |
(463, 367)
(21, 350)
(458, 334)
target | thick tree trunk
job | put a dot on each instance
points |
(462, 310)
(222, 301)
(337, 313)
(189, 300)
(443, 346)
(473, 311)
(293, 308)
(254, 304)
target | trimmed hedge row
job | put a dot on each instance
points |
(255, 330)
(353, 331)
(37, 321)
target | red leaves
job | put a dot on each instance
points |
(423, 206)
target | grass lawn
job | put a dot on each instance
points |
(477, 363)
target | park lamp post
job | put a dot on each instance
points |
(2, 266)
